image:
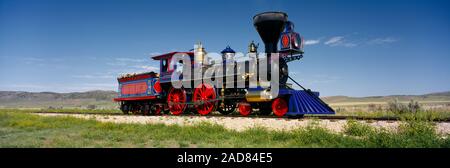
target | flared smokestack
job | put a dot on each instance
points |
(269, 26)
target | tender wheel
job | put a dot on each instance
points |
(204, 99)
(145, 109)
(279, 107)
(125, 108)
(245, 108)
(176, 101)
(227, 108)
(135, 109)
(157, 109)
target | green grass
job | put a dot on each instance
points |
(355, 128)
(76, 110)
(27, 110)
(427, 115)
(28, 130)
(65, 110)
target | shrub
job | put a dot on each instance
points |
(399, 108)
(414, 106)
(356, 128)
(372, 107)
(91, 107)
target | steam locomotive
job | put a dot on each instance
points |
(153, 93)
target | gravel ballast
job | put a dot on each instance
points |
(244, 123)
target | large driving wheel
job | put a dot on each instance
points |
(204, 99)
(176, 101)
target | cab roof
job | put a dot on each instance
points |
(169, 55)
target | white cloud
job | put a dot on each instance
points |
(334, 40)
(94, 76)
(60, 87)
(149, 68)
(311, 42)
(349, 44)
(129, 60)
(34, 61)
(116, 63)
(154, 54)
(339, 41)
(135, 69)
(126, 62)
(384, 40)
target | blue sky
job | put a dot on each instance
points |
(355, 48)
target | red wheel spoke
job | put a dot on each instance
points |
(176, 100)
(203, 97)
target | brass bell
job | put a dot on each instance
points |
(253, 48)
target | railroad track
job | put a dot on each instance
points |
(323, 117)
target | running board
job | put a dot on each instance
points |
(305, 102)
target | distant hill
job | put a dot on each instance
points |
(18, 99)
(431, 97)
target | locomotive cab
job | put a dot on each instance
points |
(167, 66)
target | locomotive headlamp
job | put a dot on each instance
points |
(291, 41)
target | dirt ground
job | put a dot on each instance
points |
(242, 123)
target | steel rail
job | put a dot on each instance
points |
(321, 117)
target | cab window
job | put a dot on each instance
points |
(164, 65)
(179, 66)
